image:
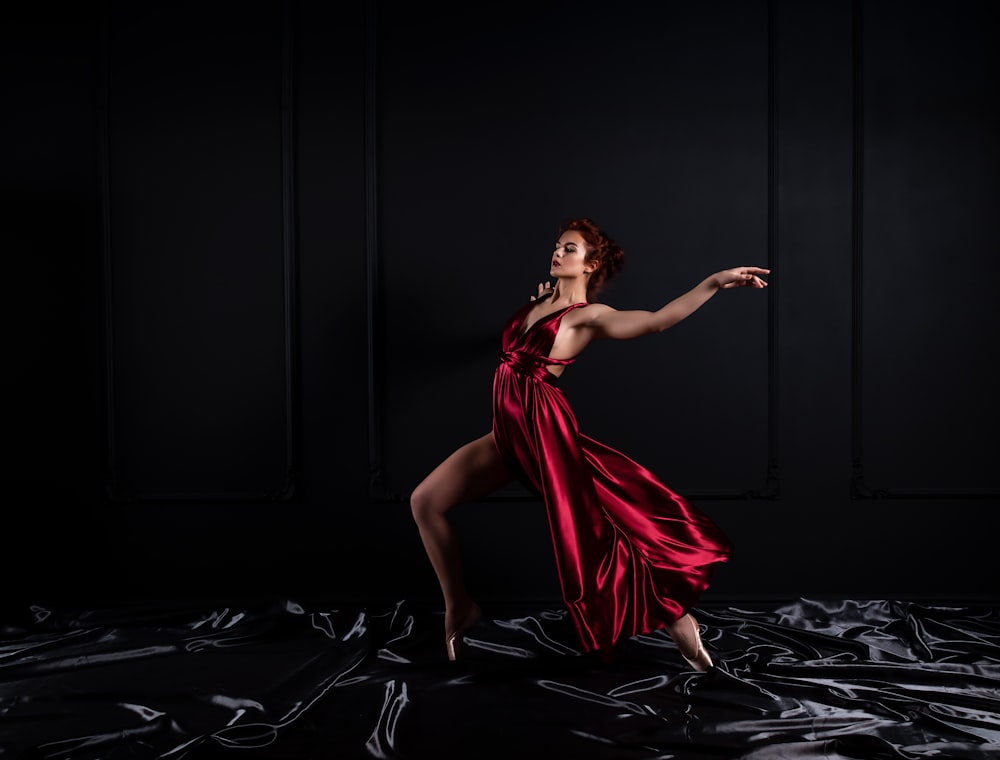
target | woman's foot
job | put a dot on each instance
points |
(688, 639)
(455, 628)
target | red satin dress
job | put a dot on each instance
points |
(632, 555)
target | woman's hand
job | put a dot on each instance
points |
(741, 277)
(544, 289)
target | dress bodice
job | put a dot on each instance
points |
(526, 347)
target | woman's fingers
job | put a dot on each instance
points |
(543, 288)
(746, 277)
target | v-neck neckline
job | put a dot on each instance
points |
(529, 328)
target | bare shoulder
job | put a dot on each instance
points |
(589, 314)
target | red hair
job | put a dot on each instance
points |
(600, 248)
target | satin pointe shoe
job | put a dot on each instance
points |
(454, 641)
(699, 661)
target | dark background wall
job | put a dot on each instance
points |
(258, 256)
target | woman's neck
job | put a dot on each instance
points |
(569, 292)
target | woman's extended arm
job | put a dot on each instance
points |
(610, 323)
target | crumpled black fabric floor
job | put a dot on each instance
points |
(286, 679)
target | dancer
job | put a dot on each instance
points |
(632, 555)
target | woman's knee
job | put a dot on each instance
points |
(423, 503)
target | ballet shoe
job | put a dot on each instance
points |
(454, 641)
(700, 660)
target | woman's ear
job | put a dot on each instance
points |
(591, 266)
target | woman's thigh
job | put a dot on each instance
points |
(470, 472)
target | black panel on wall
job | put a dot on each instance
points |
(199, 245)
(654, 121)
(928, 325)
(51, 384)
(477, 132)
(812, 281)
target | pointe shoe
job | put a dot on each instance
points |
(454, 645)
(455, 640)
(699, 661)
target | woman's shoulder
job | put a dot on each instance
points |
(586, 313)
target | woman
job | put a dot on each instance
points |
(632, 555)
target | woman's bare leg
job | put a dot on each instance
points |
(473, 471)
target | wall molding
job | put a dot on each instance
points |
(288, 488)
(288, 491)
(771, 489)
(859, 488)
(377, 486)
(104, 197)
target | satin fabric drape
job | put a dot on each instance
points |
(289, 680)
(632, 555)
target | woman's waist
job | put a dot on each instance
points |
(532, 365)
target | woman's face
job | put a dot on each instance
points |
(570, 256)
